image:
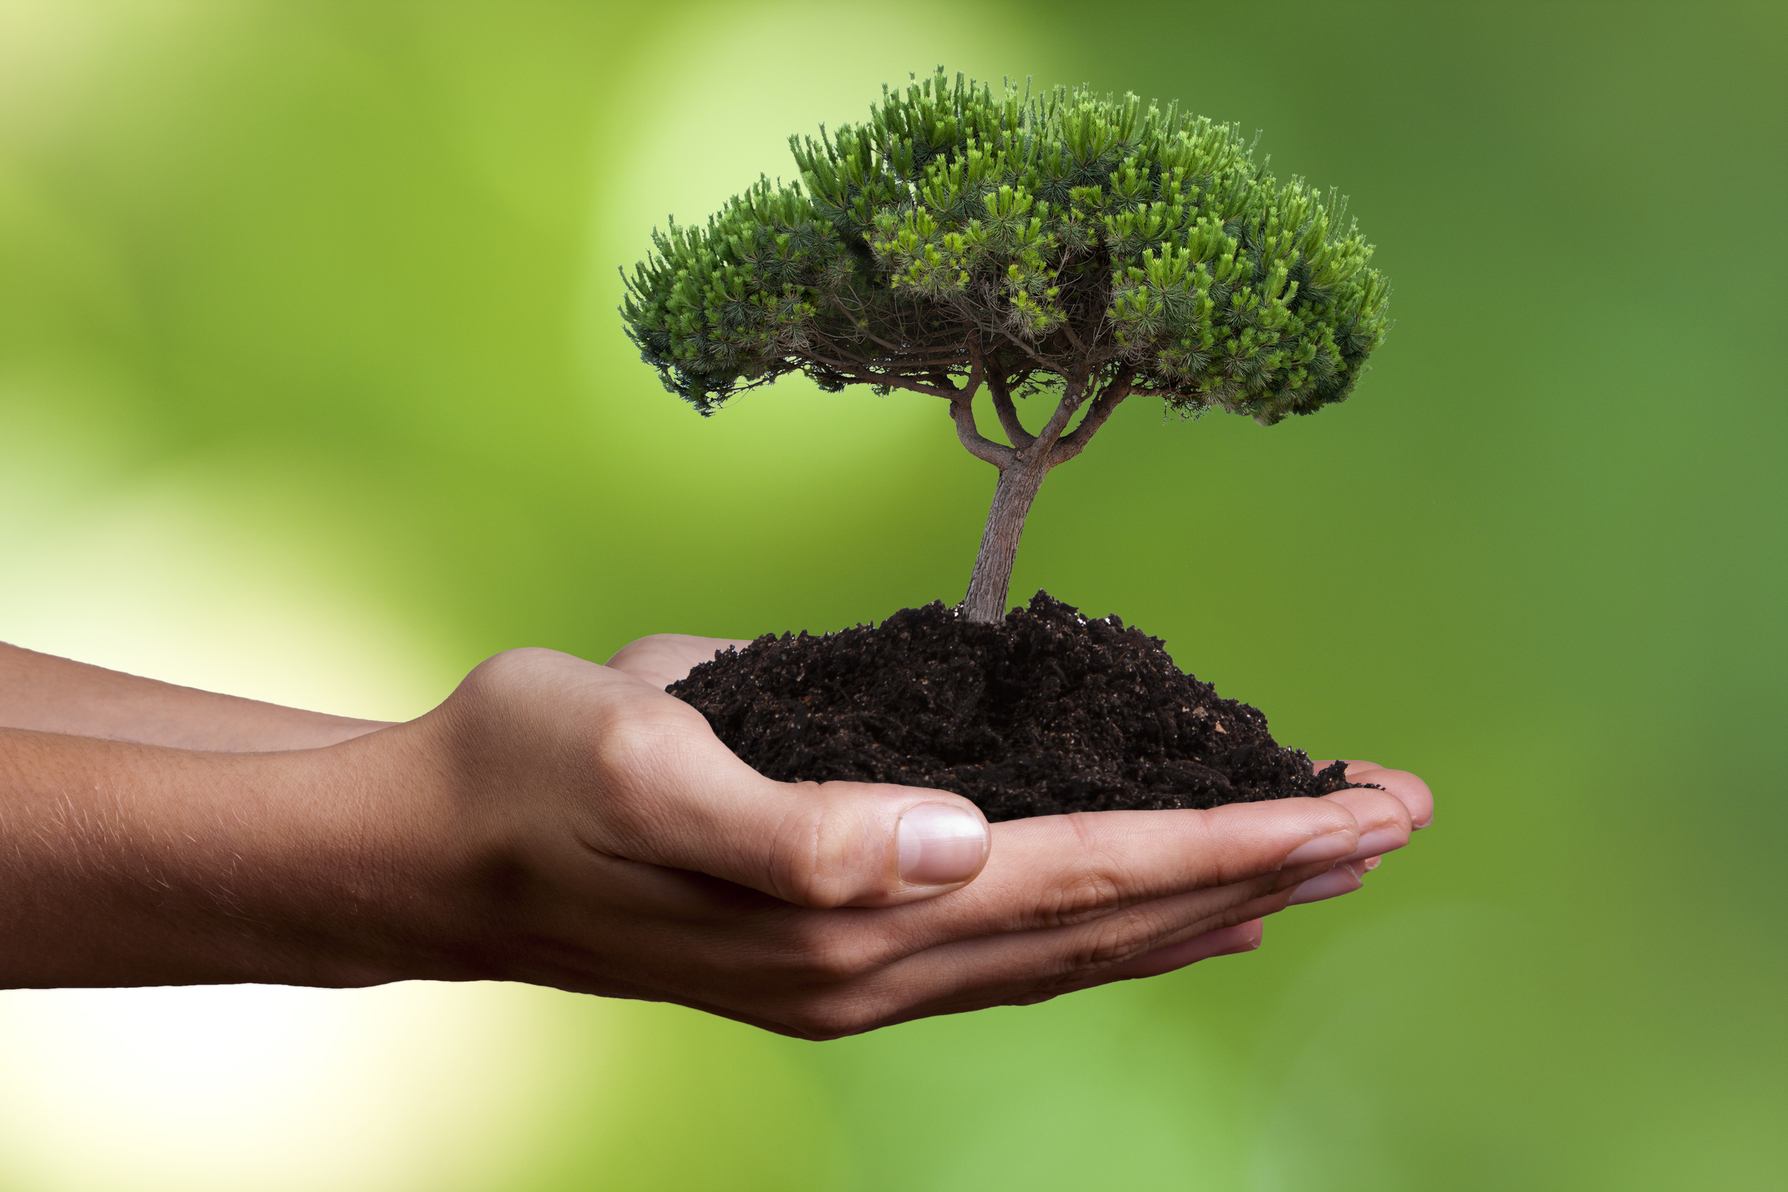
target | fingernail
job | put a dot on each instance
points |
(940, 844)
(1373, 863)
(1249, 943)
(1337, 881)
(1332, 847)
(1380, 841)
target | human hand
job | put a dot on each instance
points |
(664, 658)
(589, 832)
(567, 823)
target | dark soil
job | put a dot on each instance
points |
(1046, 713)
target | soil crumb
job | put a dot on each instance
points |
(1047, 712)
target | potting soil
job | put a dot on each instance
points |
(1046, 712)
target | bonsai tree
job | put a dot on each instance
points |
(962, 242)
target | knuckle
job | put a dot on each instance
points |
(820, 852)
(626, 733)
(1086, 892)
(822, 953)
(833, 1017)
(807, 848)
(486, 712)
(626, 743)
(632, 754)
(1036, 996)
(1094, 885)
(511, 669)
(637, 738)
(1112, 941)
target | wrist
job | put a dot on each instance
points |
(371, 862)
(418, 867)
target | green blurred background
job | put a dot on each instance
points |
(312, 388)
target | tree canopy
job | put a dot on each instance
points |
(961, 240)
(961, 232)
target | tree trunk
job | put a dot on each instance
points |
(985, 603)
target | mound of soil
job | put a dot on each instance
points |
(1044, 713)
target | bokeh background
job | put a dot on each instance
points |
(312, 389)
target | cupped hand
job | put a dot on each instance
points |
(662, 659)
(592, 834)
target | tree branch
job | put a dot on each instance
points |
(909, 360)
(1072, 392)
(1068, 327)
(863, 325)
(1025, 350)
(971, 384)
(850, 372)
(910, 356)
(1073, 444)
(997, 454)
(1002, 404)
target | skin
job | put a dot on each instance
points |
(569, 824)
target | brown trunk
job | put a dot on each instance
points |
(985, 603)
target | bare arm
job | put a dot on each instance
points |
(127, 864)
(54, 695)
(569, 824)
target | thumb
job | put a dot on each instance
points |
(680, 798)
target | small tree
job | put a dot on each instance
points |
(962, 241)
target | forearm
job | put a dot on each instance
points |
(55, 695)
(126, 864)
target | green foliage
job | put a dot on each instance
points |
(1067, 236)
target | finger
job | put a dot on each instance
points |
(888, 982)
(862, 986)
(884, 955)
(1002, 971)
(1224, 941)
(1177, 926)
(1025, 968)
(1066, 897)
(1054, 871)
(1406, 786)
(1383, 820)
(1342, 879)
(1044, 965)
(664, 658)
(673, 795)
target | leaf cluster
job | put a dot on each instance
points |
(1063, 238)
